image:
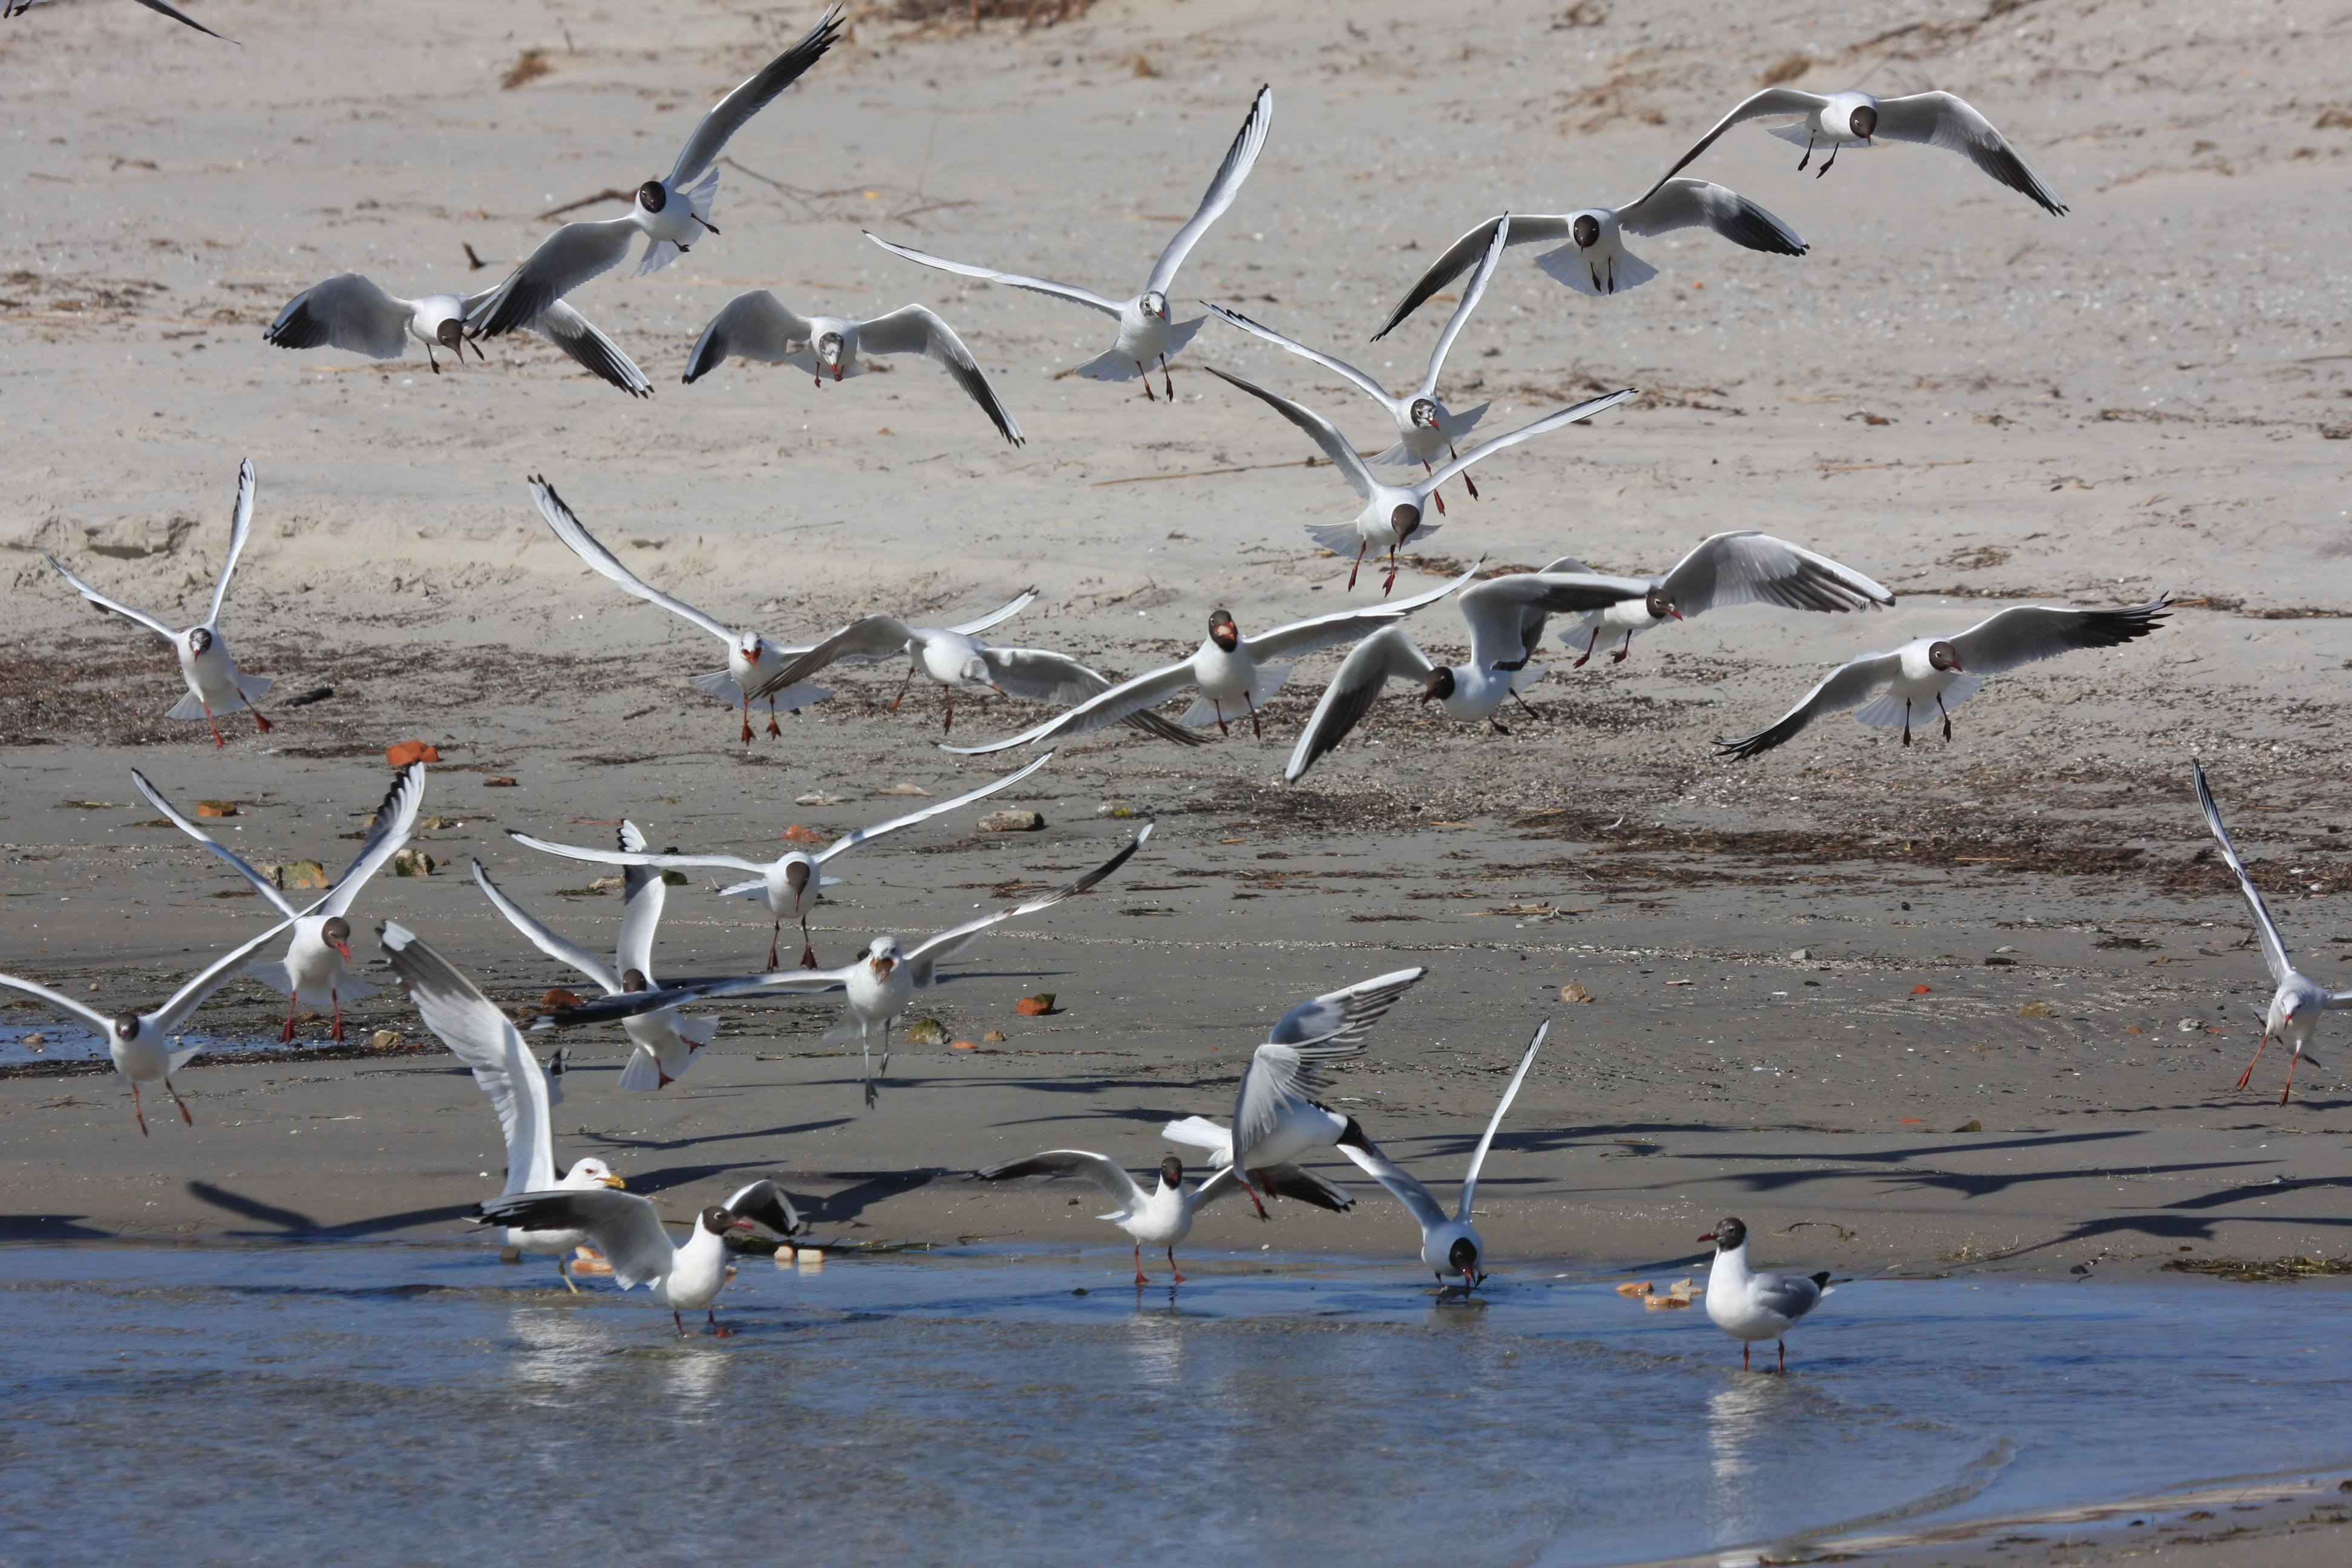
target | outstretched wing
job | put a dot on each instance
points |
(103, 603)
(756, 325)
(584, 544)
(161, 9)
(871, 637)
(1505, 234)
(1387, 653)
(1507, 615)
(1695, 204)
(261, 884)
(996, 616)
(1510, 1092)
(912, 329)
(62, 1002)
(2026, 632)
(636, 857)
(625, 1227)
(1240, 158)
(1320, 430)
(755, 93)
(478, 1035)
(1847, 685)
(1337, 1022)
(570, 331)
(2274, 944)
(565, 260)
(1940, 120)
(1345, 626)
(923, 961)
(866, 835)
(1102, 1171)
(349, 312)
(395, 819)
(240, 528)
(768, 1203)
(1418, 1199)
(1569, 415)
(1069, 292)
(561, 949)
(1762, 105)
(1468, 252)
(167, 1019)
(1746, 567)
(1338, 367)
(1143, 691)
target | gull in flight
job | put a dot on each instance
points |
(1594, 261)
(665, 1042)
(1394, 513)
(1841, 120)
(790, 883)
(2294, 1013)
(18, 8)
(750, 658)
(1275, 1121)
(878, 987)
(317, 966)
(1947, 671)
(1160, 1216)
(1145, 333)
(1749, 1305)
(759, 326)
(140, 1043)
(673, 213)
(1228, 670)
(1449, 1244)
(1742, 567)
(478, 1035)
(954, 657)
(1425, 426)
(214, 685)
(352, 312)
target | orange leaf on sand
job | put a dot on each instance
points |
(558, 999)
(1918, 991)
(1910, 1119)
(796, 834)
(962, 1046)
(400, 754)
(1035, 1006)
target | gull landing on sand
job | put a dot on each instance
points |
(1160, 1216)
(1742, 567)
(1749, 1305)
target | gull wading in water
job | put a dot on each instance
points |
(1749, 1305)
(1947, 671)
(758, 326)
(1394, 513)
(2293, 1016)
(1229, 670)
(478, 1035)
(1425, 426)
(790, 883)
(214, 686)
(1449, 1243)
(1145, 333)
(316, 969)
(352, 313)
(1743, 567)
(672, 213)
(1160, 1216)
(750, 658)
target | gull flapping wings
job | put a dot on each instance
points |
(626, 1227)
(912, 329)
(755, 93)
(562, 949)
(349, 312)
(756, 325)
(1674, 204)
(2025, 633)
(574, 254)
(240, 529)
(480, 1036)
(874, 637)
(584, 544)
(1746, 567)
(163, 1020)
(1069, 292)
(103, 603)
(1240, 158)
(1849, 685)
(1940, 120)
(1328, 1028)
(570, 331)
(1764, 105)
(395, 819)
(1571, 415)
(767, 1203)
(1507, 615)
(1478, 1155)
(2275, 953)
(262, 884)
(1388, 654)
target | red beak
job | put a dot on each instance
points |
(1708, 1236)
(345, 949)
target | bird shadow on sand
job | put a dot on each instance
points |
(660, 1146)
(286, 1223)
(53, 1228)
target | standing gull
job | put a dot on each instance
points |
(1749, 1305)
(1160, 1216)
(352, 312)
(1742, 567)
(627, 1229)
(759, 326)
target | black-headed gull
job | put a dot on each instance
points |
(1275, 1120)
(1394, 513)
(672, 213)
(316, 969)
(1157, 1216)
(18, 8)
(1841, 120)
(790, 883)
(140, 1043)
(2293, 1016)
(665, 1041)
(627, 1229)
(1749, 1305)
(1740, 567)
(1425, 426)
(1947, 671)
(1449, 1243)
(1145, 333)
(759, 326)
(352, 312)
(1228, 670)
(478, 1035)
(215, 684)
(1594, 261)
(877, 987)
(750, 658)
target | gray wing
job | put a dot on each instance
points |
(1279, 1077)
(177, 14)
(1338, 367)
(1789, 1295)
(1101, 1169)
(167, 1019)
(1418, 1201)
(1336, 1022)
(756, 92)
(1110, 706)
(1240, 158)
(395, 819)
(1940, 120)
(1003, 613)
(625, 1227)
(1069, 292)
(923, 961)
(565, 259)
(635, 858)
(62, 1002)
(1468, 252)
(1507, 615)
(1748, 568)
(1038, 674)
(1346, 625)
(561, 949)
(585, 545)
(1510, 1092)
(478, 1035)
(1285, 1180)
(912, 329)
(866, 835)
(570, 331)
(103, 603)
(873, 637)
(1762, 105)
(768, 1203)
(756, 325)
(1569, 415)
(261, 884)
(1847, 685)
(1694, 203)
(1320, 430)
(348, 311)
(240, 529)
(1472, 292)
(2027, 633)
(1385, 655)
(643, 894)
(2274, 944)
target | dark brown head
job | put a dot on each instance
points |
(1586, 230)
(1728, 1235)
(451, 335)
(1865, 122)
(200, 639)
(1660, 602)
(718, 1219)
(1223, 632)
(126, 1027)
(1942, 655)
(1404, 519)
(635, 980)
(653, 195)
(1462, 1256)
(1423, 415)
(1439, 686)
(1171, 1172)
(337, 933)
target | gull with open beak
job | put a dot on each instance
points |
(352, 312)
(1160, 1216)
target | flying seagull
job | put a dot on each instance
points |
(1742, 567)
(351, 311)
(1160, 1216)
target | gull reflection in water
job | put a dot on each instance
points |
(1741, 1421)
(1155, 1347)
(561, 1345)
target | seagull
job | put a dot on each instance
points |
(1161, 1216)
(1392, 513)
(1948, 670)
(954, 657)
(478, 1035)
(1447, 1245)
(138, 1042)
(628, 1230)
(352, 312)
(205, 665)
(672, 213)
(317, 965)
(1228, 668)
(1595, 261)
(1145, 333)
(2295, 1007)
(1274, 1122)
(18, 8)
(790, 883)
(1841, 120)
(750, 658)
(1749, 1306)
(759, 326)
(665, 1042)
(879, 987)
(1742, 567)
(1424, 425)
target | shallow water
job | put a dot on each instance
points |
(419, 1404)
(57, 1042)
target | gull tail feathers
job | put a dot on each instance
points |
(643, 1073)
(1200, 1132)
(181, 1059)
(1575, 267)
(1109, 365)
